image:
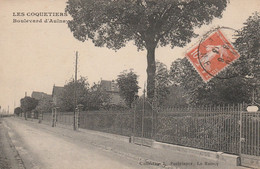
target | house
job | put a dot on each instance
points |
(41, 95)
(57, 93)
(113, 90)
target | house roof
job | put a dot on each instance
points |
(40, 95)
(57, 90)
(109, 86)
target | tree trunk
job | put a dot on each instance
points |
(151, 68)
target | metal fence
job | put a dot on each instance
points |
(217, 128)
(250, 133)
(207, 127)
(115, 122)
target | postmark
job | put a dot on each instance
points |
(213, 54)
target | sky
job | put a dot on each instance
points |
(36, 56)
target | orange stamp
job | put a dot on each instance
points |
(212, 55)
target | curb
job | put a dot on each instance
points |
(233, 160)
(14, 148)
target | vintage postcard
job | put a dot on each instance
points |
(112, 84)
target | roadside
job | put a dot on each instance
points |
(9, 157)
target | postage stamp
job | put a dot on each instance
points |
(212, 55)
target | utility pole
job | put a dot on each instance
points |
(14, 104)
(143, 113)
(75, 91)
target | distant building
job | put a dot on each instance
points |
(41, 95)
(57, 93)
(112, 89)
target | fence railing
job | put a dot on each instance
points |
(216, 128)
(250, 133)
(212, 128)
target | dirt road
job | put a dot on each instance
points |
(40, 148)
(9, 157)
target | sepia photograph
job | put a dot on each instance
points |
(130, 84)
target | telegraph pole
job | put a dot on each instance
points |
(75, 91)
(14, 104)
(143, 113)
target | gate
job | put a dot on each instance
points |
(250, 139)
(144, 122)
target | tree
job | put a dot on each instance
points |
(28, 104)
(248, 45)
(128, 86)
(162, 82)
(44, 106)
(67, 98)
(230, 90)
(149, 23)
(176, 97)
(18, 111)
(216, 91)
(98, 98)
(183, 75)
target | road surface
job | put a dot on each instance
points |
(40, 148)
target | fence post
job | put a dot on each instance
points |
(55, 113)
(134, 120)
(40, 117)
(52, 115)
(143, 114)
(76, 118)
(240, 123)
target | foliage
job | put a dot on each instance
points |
(216, 91)
(248, 45)
(97, 97)
(175, 97)
(18, 111)
(116, 107)
(116, 122)
(231, 90)
(149, 23)
(28, 104)
(68, 99)
(92, 98)
(44, 106)
(162, 82)
(128, 86)
(183, 75)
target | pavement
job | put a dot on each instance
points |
(114, 147)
